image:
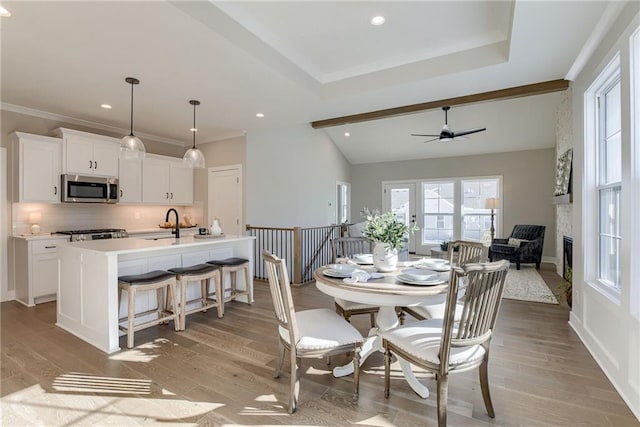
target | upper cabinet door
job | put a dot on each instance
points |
(130, 181)
(181, 189)
(155, 181)
(38, 166)
(105, 158)
(89, 154)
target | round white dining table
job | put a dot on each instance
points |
(387, 293)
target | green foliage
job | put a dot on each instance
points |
(386, 228)
(445, 246)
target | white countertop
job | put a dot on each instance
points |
(43, 236)
(132, 244)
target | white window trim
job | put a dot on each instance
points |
(590, 189)
(634, 194)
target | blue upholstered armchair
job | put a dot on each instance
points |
(524, 245)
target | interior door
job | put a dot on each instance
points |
(400, 198)
(225, 198)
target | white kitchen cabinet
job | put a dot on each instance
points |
(89, 154)
(130, 181)
(36, 269)
(166, 181)
(36, 161)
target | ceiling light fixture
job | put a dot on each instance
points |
(193, 158)
(106, 106)
(378, 20)
(347, 134)
(131, 147)
(259, 115)
(4, 12)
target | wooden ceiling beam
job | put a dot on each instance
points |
(512, 92)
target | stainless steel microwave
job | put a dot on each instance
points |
(89, 189)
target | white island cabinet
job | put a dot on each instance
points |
(88, 287)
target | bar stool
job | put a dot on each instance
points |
(203, 273)
(233, 266)
(157, 280)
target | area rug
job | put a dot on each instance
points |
(527, 285)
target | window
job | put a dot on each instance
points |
(609, 160)
(454, 209)
(343, 202)
(438, 208)
(603, 112)
(476, 219)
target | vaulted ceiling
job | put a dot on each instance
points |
(298, 62)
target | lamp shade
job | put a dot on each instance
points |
(491, 203)
(35, 217)
(131, 148)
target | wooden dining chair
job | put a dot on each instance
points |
(444, 346)
(347, 247)
(467, 252)
(309, 333)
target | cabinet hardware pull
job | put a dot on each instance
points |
(55, 190)
(90, 164)
(171, 196)
(120, 193)
(167, 195)
(95, 164)
(49, 247)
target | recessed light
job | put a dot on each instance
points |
(106, 106)
(347, 134)
(378, 20)
(260, 115)
(4, 12)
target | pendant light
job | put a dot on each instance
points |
(131, 147)
(193, 158)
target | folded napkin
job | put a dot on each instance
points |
(345, 260)
(361, 276)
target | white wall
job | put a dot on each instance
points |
(609, 329)
(291, 177)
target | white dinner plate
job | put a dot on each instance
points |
(418, 273)
(363, 258)
(435, 266)
(339, 273)
(438, 279)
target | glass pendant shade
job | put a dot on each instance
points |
(194, 158)
(131, 147)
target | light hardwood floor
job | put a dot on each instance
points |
(219, 372)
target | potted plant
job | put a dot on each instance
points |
(390, 235)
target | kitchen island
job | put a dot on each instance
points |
(88, 287)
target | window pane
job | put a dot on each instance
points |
(609, 230)
(612, 160)
(400, 204)
(612, 111)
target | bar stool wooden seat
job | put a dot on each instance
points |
(203, 273)
(158, 280)
(233, 266)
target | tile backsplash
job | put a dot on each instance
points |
(60, 217)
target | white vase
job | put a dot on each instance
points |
(383, 259)
(216, 230)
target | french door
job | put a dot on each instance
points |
(400, 198)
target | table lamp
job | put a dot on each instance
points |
(492, 203)
(34, 220)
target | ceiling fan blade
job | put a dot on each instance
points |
(431, 140)
(468, 132)
(419, 134)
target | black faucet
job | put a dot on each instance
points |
(177, 231)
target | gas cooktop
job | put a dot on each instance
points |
(95, 234)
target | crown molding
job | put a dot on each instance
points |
(80, 122)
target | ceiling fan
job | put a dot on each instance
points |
(447, 134)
